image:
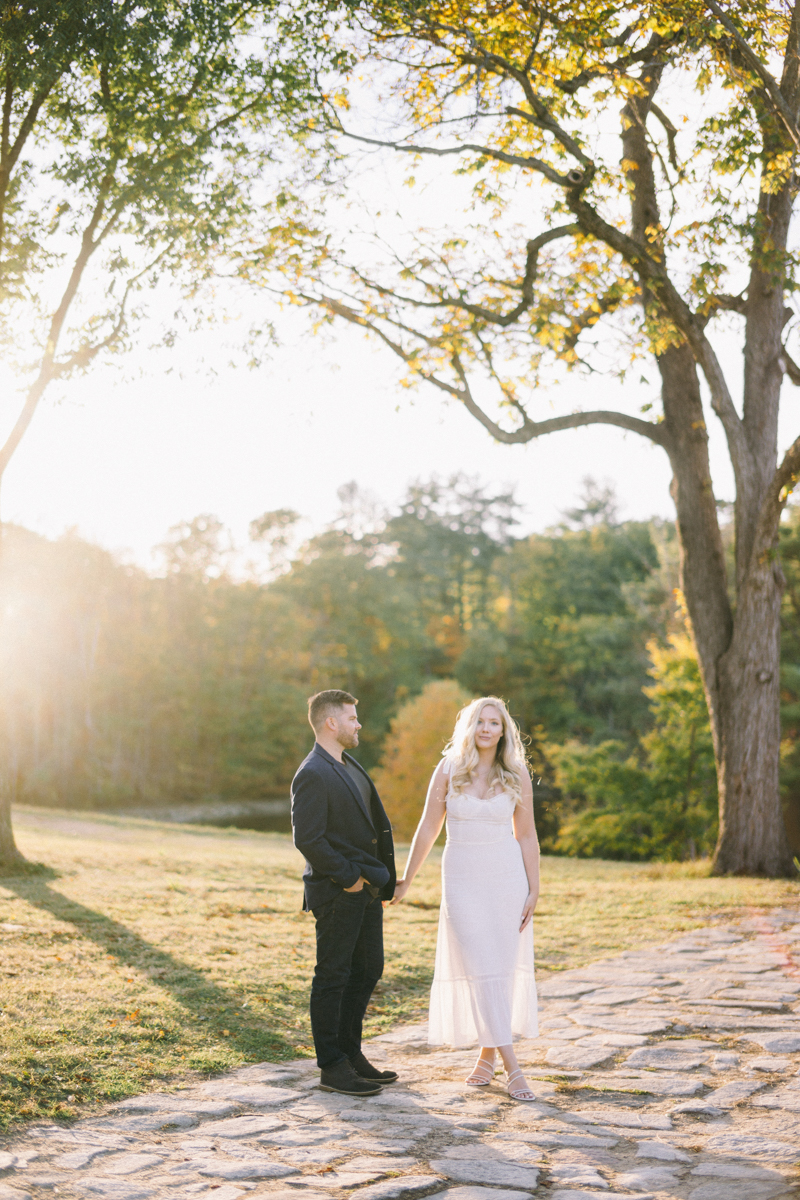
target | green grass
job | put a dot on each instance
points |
(148, 952)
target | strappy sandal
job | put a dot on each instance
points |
(476, 1079)
(524, 1095)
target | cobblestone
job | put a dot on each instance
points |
(669, 1073)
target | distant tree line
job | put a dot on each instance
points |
(121, 687)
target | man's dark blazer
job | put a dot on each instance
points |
(335, 831)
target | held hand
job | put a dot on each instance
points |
(527, 911)
(401, 888)
(358, 886)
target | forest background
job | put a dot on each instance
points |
(131, 688)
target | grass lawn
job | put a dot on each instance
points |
(149, 952)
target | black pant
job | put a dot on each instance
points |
(349, 964)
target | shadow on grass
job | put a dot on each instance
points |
(24, 869)
(212, 1007)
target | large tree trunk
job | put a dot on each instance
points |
(10, 856)
(752, 834)
(738, 655)
(703, 575)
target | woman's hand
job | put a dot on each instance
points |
(401, 887)
(527, 911)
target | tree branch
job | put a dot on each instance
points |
(512, 160)
(670, 131)
(620, 66)
(80, 358)
(676, 307)
(490, 315)
(758, 68)
(540, 115)
(635, 254)
(8, 153)
(722, 302)
(8, 101)
(88, 246)
(542, 119)
(783, 483)
(47, 369)
(529, 430)
(790, 367)
(589, 317)
(105, 90)
(27, 124)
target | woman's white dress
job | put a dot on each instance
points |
(483, 986)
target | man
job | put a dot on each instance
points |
(340, 827)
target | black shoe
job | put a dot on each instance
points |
(342, 1078)
(366, 1070)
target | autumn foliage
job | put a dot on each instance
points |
(414, 746)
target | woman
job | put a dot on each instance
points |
(483, 986)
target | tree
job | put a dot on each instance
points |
(275, 530)
(658, 803)
(414, 746)
(129, 139)
(127, 688)
(446, 540)
(565, 639)
(362, 631)
(585, 249)
(199, 547)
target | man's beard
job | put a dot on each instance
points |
(348, 741)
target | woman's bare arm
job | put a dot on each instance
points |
(525, 833)
(429, 828)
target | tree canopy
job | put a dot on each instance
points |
(135, 146)
(526, 103)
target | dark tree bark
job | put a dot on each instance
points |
(10, 855)
(738, 652)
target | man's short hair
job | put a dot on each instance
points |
(321, 706)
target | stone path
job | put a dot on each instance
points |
(667, 1072)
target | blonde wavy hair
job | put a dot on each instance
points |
(461, 752)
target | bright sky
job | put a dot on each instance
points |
(123, 459)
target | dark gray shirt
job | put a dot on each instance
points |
(361, 782)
